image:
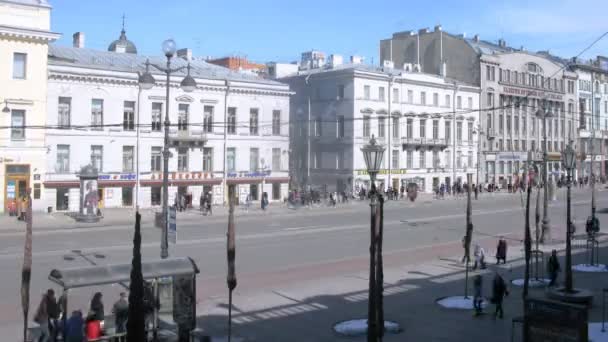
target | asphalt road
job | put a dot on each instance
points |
(270, 244)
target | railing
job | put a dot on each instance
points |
(424, 142)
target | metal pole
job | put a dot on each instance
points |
(137, 151)
(537, 221)
(308, 134)
(390, 133)
(454, 137)
(479, 134)
(224, 168)
(545, 225)
(569, 286)
(164, 248)
(371, 315)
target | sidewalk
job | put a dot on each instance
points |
(306, 311)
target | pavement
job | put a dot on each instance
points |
(300, 271)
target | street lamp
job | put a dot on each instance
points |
(479, 134)
(187, 84)
(373, 154)
(6, 110)
(568, 162)
(541, 113)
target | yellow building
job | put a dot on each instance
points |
(24, 38)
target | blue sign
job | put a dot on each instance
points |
(124, 176)
(247, 174)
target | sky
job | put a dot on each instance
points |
(273, 30)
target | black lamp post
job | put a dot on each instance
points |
(373, 154)
(543, 114)
(568, 162)
(6, 110)
(188, 84)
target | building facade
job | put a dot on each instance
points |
(427, 124)
(25, 32)
(100, 116)
(514, 85)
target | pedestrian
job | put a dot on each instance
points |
(553, 267)
(42, 318)
(74, 327)
(477, 295)
(176, 202)
(499, 291)
(97, 307)
(182, 202)
(501, 251)
(151, 304)
(121, 313)
(479, 257)
(464, 248)
(53, 312)
(93, 326)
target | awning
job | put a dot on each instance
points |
(69, 278)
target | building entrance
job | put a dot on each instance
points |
(16, 183)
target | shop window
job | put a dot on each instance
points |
(127, 197)
(156, 194)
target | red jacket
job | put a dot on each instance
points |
(93, 329)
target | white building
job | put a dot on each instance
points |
(102, 118)
(411, 113)
(24, 37)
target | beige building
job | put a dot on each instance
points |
(24, 37)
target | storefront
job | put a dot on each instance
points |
(255, 184)
(16, 182)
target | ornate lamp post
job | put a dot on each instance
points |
(373, 154)
(543, 114)
(568, 162)
(188, 84)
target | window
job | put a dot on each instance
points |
(318, 127)
(410, 159)
(63, 159)
(156, 159)
(435, 99)
(435, 129)
(253, 121)
(533, 125)
(515, 77)
(488, 74)
(182, 159)
(17, 124)
(366, 92)
(396, 127)
(524, 146)
(254, 157)
(231, 124)
(340, 90)
(157, 114)
(516, 145)
(381, 94)
(128, 118)
(562, 128)
(63, 110)
(422, 128)
(447, 101)
(500, 123)
(470, 131)
(448, 159)
(395, 95)
(555, 128)
(501, 146)
(410, 128)
(490, 100)
(276, 159)
(516, 124)
(366, 126)
(422, 161)
(37, 191)
(508, 124)
(508, 145)
(340, 127)
(97, 114)
(533, 145)
(459, 132)
(489, 122)
(155, 195)
(276, 122)
(276, 191)
(423, 98)
(435, 159)
(19, 65)
(97, 157)
(231, 159)
(410, 96)
(470, 159)
(459, 102)
(524, 125)
(458, 159)
(448, 131)
(492, 73)
(381, 127)
(395, 159)
(208, 119)
(127, 158)
(207, 159)
(317, 160)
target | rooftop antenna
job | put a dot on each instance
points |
(123, 22)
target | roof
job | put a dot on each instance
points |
(128, 62)
(122, 40)
(37, 3)
(75, 277)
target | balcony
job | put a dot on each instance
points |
(418, 143)
(187, 139)
(492, 134)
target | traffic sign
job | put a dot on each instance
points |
(172, 232)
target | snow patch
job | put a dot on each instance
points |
(540, 282)
(596, 334)
(590, 268)
(459, 302)
(358, 327)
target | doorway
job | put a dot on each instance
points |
(100, 193)
(127, 197)
(16, 183)
(253, 191)
(395, 183)
(62, 201)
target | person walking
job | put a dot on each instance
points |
(97, 307)
(121, 313)
(477, 295)
(501, 251)
(74, 327)
(499, 291)
(464, 248)
(53, 312)
(42, 318)
(480, 256)
(553, 268)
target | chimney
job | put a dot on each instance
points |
(476, 38)
(438, 28)
(444, 69)
(424, 30)
(78, 40)
(355, 59)
(335, 60)
(185, 54)
(502, 43)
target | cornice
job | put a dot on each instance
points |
(13, 32)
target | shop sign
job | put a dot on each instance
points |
(554, 156)
(383, 172)
(247, 174)
(512, 156)
(123, 176)
(183, 175)
(531, 93)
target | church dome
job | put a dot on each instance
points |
(123, 45)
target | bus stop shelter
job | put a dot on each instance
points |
(182, 272)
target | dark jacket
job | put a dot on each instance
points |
(97, 309)
(553, 265)
(499, 289)
(74, 329)
(501, 249)
(52, 307)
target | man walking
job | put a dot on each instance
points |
(121, 313)
(499, 291)
(553, 267)
(501, 251)
(477, 295)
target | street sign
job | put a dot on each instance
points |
(172, 233)
(548, 320)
